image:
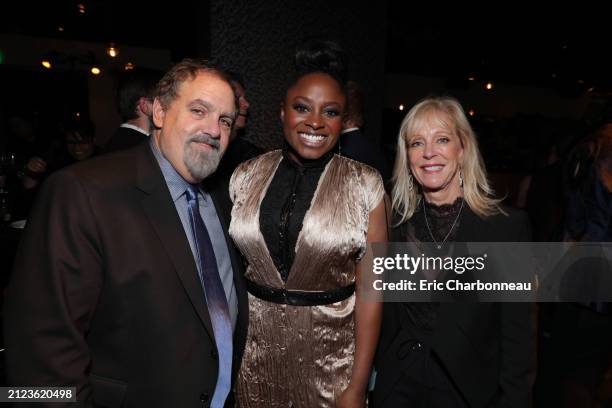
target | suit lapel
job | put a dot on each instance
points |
(160, 210)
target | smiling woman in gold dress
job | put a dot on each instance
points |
(302, 217)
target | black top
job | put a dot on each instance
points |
(444, 222)
(283, 208)
(440, 219)
(486, 348)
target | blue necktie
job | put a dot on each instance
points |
(216, 301)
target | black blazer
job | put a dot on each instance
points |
(488, 349)
(124, 138)
(105, 294)
(356, 146)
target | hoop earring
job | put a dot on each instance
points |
(460, 178)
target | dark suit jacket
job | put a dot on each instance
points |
(238, 151)
(488, 349)
(356, 146)
(105, 294)
(124, 138)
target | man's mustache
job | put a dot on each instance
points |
(205, 139)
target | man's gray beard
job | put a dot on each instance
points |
(201, 164)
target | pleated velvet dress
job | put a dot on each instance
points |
(302, 356)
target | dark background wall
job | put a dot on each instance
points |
(258, 39)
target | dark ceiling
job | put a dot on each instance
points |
(556, 48)
(563, 49)
(173, 26)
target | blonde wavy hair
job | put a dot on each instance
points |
(477, 192)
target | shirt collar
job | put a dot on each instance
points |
(348, 130)
(176, 183)
(134, 127)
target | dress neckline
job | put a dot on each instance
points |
(443, 210)
(306, 164)
(284, 157)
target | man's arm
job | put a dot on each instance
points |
(55, 285)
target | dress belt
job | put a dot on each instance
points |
(297, 297)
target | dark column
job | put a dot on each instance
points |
(258, 37)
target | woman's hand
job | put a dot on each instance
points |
(351, 398)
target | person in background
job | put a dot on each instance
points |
(451, 354)
(576, 351)
(302, 218)
(126, 285)
(541, 192)
(135, 94)
(238, 84)
(77, 144)
(24, 136)
(240, 149)
(353, 142)
(588, 187)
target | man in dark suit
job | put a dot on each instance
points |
(107, 292)
(353, 143)
(135, 92)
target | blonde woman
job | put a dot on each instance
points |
(450, 354)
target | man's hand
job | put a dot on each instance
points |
(36, 165)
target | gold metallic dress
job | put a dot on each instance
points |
(302, 356)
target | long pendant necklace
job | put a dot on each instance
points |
(439, 245)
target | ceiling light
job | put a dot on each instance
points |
(401, 107)
(112, 51)
(95, 70)
(46, 63)
(128, 66)
(489, 86)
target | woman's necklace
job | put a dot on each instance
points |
(439, 245)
